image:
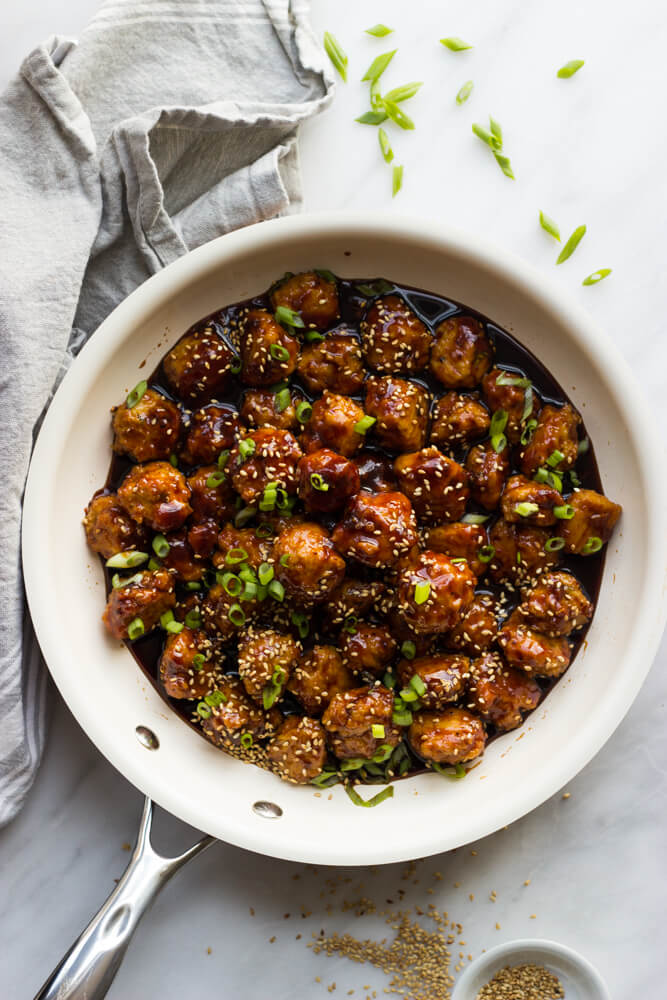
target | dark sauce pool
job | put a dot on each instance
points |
(431, 309)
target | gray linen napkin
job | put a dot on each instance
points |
(171, 122)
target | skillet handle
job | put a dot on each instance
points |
(89, 967)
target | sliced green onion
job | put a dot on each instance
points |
(408, 649)
(301, 621)
(564, 512)
(117, 582)
(236, 615)
(236, 365)
(389, 680)
(555, 458)
(278, 352)
(496, 130)
(528, 431)
(318, 483)
(264, 531)
(198, 661)
(418, 685)
(379, 287)
(276, 590)
(314, 337)
(549, 226)
(572, 244)
(402, 718)
(270, 695)
(136, 394)
(385, 148)
(135, 629)
(333, 49)
(455, 44)
(350, 624)
(247, 574)
(382, 754)
(247, 741)
(528, 402)
(408, 695)
(372, 118)
(422, 591)
(304, 412)
(173, 459)
(284, 560)
(352, 763)
(574, 479)
(167, 617)
(265, 573)
(582, 448)
(214, 480)
(287, 317)
(459, 559)
(377, 731)
(403, 93)
(127, 560)
(364, 424)
(475, 518)
(486, 553)
(379, 30)
(526, 509)
(243, 516)
(504, 164)
(593, 545)
(193, 619)
(153, 565)
(326, 275)
(456, 774)
(398, 116)
(508, 378)
(353, 795)
(596, 276)
(282, 399)
(203, 710)
(268, 501)
(498, 422)
(554, 544)
(215, 699)
(246, 448)
(465, 92)
(249, 592)
(326, 779)
(378, 66)
(569, 69)
(236, 555)
(223, 458)
(487, 137)
(498, 443)
(396, 180)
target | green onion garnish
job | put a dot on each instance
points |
(278, 352)
(326, 779)
(455, 44)
(496, 130)
(504, 164)
(378, 66)
(528, 399)
(572, 244)
(564, 512)
(236, 365)
(456, 774)
(270, 695)
(498, 422)
(475, 518)
(265, 573)
(408, 695)
(236, 555)
(333, 49)
(250, 591)
(594, 544)
(247, 741)
(136, 394)
(528, 431)
(301, 621)
(486, 553)
(352, 763)
(276, 590)
(127, 560)
(379, 30)
(173, 459)
(555, 458)
(243, 516)
(408, 649)
(314, 337)
(379, 287)
(396, 180)
(385, 148)
(223, 458)
(498, 443)
(246, 573)
(350, 624)
(193, 619)
(403, 93)
(353, 795)
(198, 661)
(326, 274)
(549, 226)
(169, 624)
(554, 544)
(214, 480)
(203, 710)
(282, 399)
(389, 680)
(402, 718)
(304, 412)
(236, 615)
(526, 509)
(117, 582)
(422, 591)
(231, 584)
(284, 560)
(215, 699)
(135, 629)
(574, 479)
(398, 116)
(318, 483)
(263, 531)
(371, 118)
(418, 685)
(492, 141)
(582, 448)
(153, 565)
(465, 92)
(569, 69)
(246, 448)
(507, 378)
(364, 424)
(287, 317)
(378, 731)
(596, 276)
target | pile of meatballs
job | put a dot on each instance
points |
(346, 534)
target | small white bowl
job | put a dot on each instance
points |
(580, 980)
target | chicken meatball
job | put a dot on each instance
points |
(148, 430)
(213, 429)
(268, 351)
(334, 363)
(317, 677)
(307, 564)
(266, 661)
(109, 528)
(367, 647)
(353, 597)
(240, 545)
(326, 481)
(458, 420)
(400, 409)
(376, 530)
(504, 390)
(453, 736)
(555, 440)
(435, 592)
(592, 524)
(312, 296)
(139, 602)
(211, 495)
(519, 552)
(436, 486)
(268, 408)
(156, 494)
(353, 715)
(332, 425)
(461, 353)
(186, 671)
(235, 715)
(526, 501)
(533, 651)
(198, 367)
(556, 605)
(265, 456)
(487, 470)
(443, 676)
(376, 472)
(395, 340)
(478, 628)
(460, 541)
(224, 615)
(298, 751)
(501, 694)
(181, 559)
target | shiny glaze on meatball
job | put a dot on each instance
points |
(477, 630)
(266, 661)
(332, 425)
(156, 494)
(487, 470)
(457, 420)
(318, 676)
(198, 367)
(501, 694)
(213, 429)
(459, 541)
(326, 481)
(437, 486)
(533, 651)
(149, 429)
(237, 715)
(350, 718)
(452, 736)
(269, 352)
(312, 296)
(554, 442)
(366, 647)
(265, 456)
(214, 502)
(520, 552)
(461, 353)
(109, 528)
(334, 363)
(306, 563)
(503, 390)
(395, 341)
(526, 501)
(146, 596)
(376, 530)
(444, 677)
(400, 409)
(186, 668)
(595, 517)
(556, 605)
(435, 592)
(265, 408)
(298, 751)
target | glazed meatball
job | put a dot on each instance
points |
(350, 718)
(395, 341)
(146, 597)
(367, 647)
(503, 390)
(298, 750)
(353, 597)
(478, 628)
(444, 677)
(461, 353)
(436, 486)
(460, 541)
(268, 352)
(273, 459)
(213, 428)
(500, 694)
(198, 366)
(326, 481)
(236, 715)
(556, 605)
(556, 435)
(593, 523)
(488, 470)
(334, 363)
(244, 542)
(526, 501)
(402, 632)
(533, 651)
(458, 420)
(376, 472)
(312, 296)
(263, 408)
(109, 528)
(181, 558)
(266, 661)
(214, 502)
(376, 530)
(332, 425)
(519, 552)
(400, 409)
(186, 671)
(450, 737)
(435, 592)
(317, 677)
(148, 430)
(156, 494)
(307, 564)
(216, 608)
(203, 537)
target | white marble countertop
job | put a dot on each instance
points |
(589, 150)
